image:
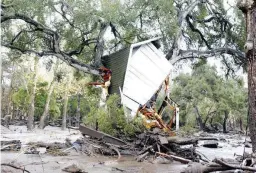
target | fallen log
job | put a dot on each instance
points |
(207, 138)
(176, 158)
(247, 168)
(182, 141)
(211, 144)
(187, 141)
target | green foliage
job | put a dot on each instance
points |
(187, 130)
(111, 119)
(210, 93)
(20, 98)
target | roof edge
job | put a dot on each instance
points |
(144, 42)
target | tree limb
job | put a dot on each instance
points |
(194, 29)
(191, 54)
(55, 49)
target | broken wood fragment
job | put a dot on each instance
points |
(11, 145)
(140, 158)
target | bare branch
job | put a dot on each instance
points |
(190, 54)
(197, 30)
(80, 48)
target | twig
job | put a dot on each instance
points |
(14, 166)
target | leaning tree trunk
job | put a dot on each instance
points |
(46, 108)
(32, 97)
(248, 7)
(78, 112)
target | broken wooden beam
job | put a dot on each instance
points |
(100, 135)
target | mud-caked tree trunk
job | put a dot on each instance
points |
(248, 7)
(46, 108)
(31, 111)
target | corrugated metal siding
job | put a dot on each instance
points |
(146, 71)
(117, 62)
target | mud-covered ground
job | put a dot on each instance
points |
(228, 145)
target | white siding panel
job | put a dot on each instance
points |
(146, 70)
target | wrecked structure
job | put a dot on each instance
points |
(140, 74)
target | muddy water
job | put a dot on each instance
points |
(100, 164)
(229, 145)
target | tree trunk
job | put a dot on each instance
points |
(31, 112)
(64, 117)
(241, 123)
(225, 122)
(249, 9)
(46, 108)
(78, 110)
(69, 116)
(199, 118)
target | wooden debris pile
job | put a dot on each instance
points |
(145, 146)
(11, 145)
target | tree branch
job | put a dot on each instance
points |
(192, 27)
(80, 48)
(55, 49)
(190, 54)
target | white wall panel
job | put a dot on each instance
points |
(146, 71)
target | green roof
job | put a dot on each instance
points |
(117, 63)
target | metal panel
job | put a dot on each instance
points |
(117, 62)
(146, 70)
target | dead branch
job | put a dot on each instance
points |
(180, 159)
(14, 166)
(117, 151)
